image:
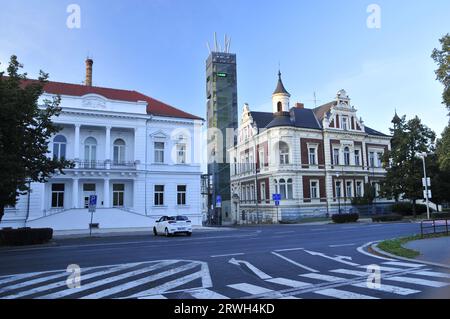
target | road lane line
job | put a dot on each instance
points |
(250, 289)
(227, 255)
(388, 288)
(343, 245)
(295, 263)
(136, 283)
(418, 281)
(432, 274)
(207, 294)
(289, 297)
(383, 268)
(63, 282)
(401, 264)
(95, 284)
(323, 277)
(288, 249)
(289, 282)
(342, 294)
(350, 272)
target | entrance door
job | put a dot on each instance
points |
(88, 190)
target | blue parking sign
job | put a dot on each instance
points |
(276, 197)
(93, 200)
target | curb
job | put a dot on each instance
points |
(386, 254)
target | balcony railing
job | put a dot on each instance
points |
(101, 165)
(92, 164)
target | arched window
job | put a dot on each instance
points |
(90, 151)
(283, 190)
(279, 107)
(59, 147)
(119, 151)
(290, 190)
(347, 156)
(284, 153)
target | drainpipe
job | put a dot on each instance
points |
(146, 162)
(28, 202)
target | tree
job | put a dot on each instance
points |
(440, 181)
(402, 163)
(442, 58)
(25, 130)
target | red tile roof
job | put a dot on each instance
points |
(154, 107)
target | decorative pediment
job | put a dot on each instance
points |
(94, 101)
(159, 135)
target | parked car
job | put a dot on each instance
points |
(171, 225)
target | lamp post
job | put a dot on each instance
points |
(423, 156)
(339, 196)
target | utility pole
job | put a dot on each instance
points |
(423, 156)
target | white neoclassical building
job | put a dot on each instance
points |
(318, 160)
(141, 157)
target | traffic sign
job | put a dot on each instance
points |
(92, 203)
(218, 201)
(276, 197)
(428, 183)
(425, 194)
(277, 203)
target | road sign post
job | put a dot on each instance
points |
(277, 198)
(92, 207)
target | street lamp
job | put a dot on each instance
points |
(339, 196)
(423, 156)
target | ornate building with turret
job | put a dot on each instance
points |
(318, 160)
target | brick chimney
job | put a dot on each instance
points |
(89, 63)
(299, 105)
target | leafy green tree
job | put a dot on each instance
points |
(25, 130)
(442, 58)
(440, 181)
(403, 164)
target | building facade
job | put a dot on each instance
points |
(138, 155)
(317, 160)
(222, 122)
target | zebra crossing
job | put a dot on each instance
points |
(174, 279)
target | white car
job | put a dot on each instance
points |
(171, 225)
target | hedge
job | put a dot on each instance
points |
(25, 236)
(440, 215)
(387, 218)
(406, 209)
(345, 218)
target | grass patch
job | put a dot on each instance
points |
(395, 246)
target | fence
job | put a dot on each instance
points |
(438, 226)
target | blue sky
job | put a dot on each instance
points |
(158, 47)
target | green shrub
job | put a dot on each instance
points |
(387, 218)
(406, 208)
(345, 218)
(445, 215)
(25, 236)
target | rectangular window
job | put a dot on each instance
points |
(349, 189)
(88, 187)
(357, 158)
(372, 159)
(159, 152)
(338, 189)
(252, 192)
(181, 195)
(314, 189)
(181, 153)
(118, 195)
(345, 123)
(312, 156)
(263, 191)
(379, 159)
(261, 159)
(58, 195)
(336, 156)
(159, 195)
(359, 189)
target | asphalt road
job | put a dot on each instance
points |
(278, 261)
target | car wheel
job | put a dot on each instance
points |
(166, 232)
(155, 232)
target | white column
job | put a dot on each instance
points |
(106, 197)
(108, 143)
(77, 142)
(75, 199)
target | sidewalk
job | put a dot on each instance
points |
(112, 232)
(436, 250)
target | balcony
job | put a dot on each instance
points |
(105, 165)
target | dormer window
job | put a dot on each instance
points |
(345, 123)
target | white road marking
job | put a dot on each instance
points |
(33, 282)
(362, 251)
(350, 272)
(389, 289)
(227, 255)
(289, 297)
(382, 268)
(207, 294)
(289, 282)
(342, 294)
(432, 274)
(288, 249)
(418, 281)
(13, 278)
(339, 259)
(63, 282)
(323, 277)
(68, 292)
(166, 287)
(154, 297)
(343, 245)
(285, 232)
(255, 270)
(139, 282)
(401, 264)
(250, 289)
(295, 263)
